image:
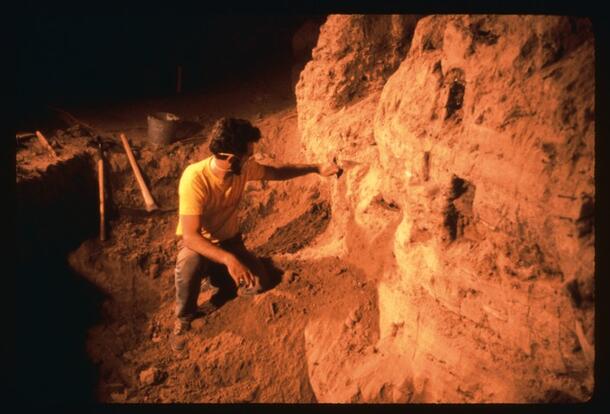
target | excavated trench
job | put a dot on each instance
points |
(56, 306)
(71, 286)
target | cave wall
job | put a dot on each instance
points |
(467, 144)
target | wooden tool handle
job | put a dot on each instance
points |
(148, 200)
(100, 177)
(71, 119)
(46, 144)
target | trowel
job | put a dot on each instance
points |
(345, 164)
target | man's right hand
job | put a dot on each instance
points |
(239, 272)
(191, 226)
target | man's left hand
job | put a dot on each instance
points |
(328, 169)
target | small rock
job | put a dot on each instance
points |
(151, 376)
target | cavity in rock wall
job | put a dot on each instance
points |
(458, 213)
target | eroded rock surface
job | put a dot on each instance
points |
(467, 144)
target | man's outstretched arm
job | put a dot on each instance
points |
(286, 172)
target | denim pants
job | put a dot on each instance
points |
(192, 268)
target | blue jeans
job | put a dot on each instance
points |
(192, 268)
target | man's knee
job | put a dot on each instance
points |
(188, 263)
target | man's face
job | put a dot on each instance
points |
(237, 162)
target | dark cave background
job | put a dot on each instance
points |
(99, 58)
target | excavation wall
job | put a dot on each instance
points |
(467, 195)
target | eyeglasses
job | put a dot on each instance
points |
(230, 157)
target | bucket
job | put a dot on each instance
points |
(161, 128)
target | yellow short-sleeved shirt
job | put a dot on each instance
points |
(201, 192)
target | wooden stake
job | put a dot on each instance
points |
(46, 144)
(100, 176)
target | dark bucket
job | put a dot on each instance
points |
(161, 128)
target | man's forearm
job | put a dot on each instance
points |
(207, 249)
(287, 172)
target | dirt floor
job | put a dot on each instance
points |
(252, 348)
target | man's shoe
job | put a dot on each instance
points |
(177, 339)
(180, 327)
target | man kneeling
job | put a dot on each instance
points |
(209, 240)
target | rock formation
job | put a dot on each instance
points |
(467, 196)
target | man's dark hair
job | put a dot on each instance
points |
(232, 135)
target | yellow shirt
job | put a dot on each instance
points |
(201, 192)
